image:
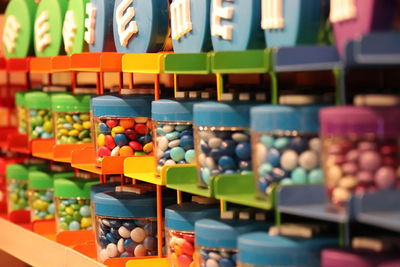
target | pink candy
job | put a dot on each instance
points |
(103, 152)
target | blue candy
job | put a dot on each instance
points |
(298, 144)
(129, 225)
(226, 162)
(129, 245)
(299, 176)
(228, 147)
(187, 142)
(225, 262)
(114, 232)
(263, 184)
(144, 139)
(205, 175)
(181, 128)
(267, 140)
(281, 142)
(120, 139)
(150, 228)
(167, 154)
(216, 154)
(74, 226)
(114, 223)
(85, 211)
(204, 148)
(104, 128)
(186, 132)
(316, 176)
(274, 157)
(110, 237)
(103, 240)
(190, 156)
(177, 153)
(243, 151)
(172, 136)
(150, 243)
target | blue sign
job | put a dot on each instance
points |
(99, 26)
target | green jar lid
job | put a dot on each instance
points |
(37, 100)
(21, 171)
(20, 98)
(45, 180)
(70, 103)
(73, 187)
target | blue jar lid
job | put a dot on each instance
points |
(261, 249)
(285, 118)
(100, 188)
(224, 233)
(232, 114)
(122, 106)
(125, 204)
(171, 110)
(182, 217)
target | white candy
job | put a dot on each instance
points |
(174, 143)
(210, 163)
(115, 151)
(214, 142)
(162, 143)
(308, 160)
(214, 256)
(170, 162)
(240, 137)
(167, 128)
(120, 245)
(261, 153)
(138, 235)
(289, 160)
(103, 255)
(340, 194)
(206, 135)
(159, 153)
(105, 222)
(123, 232)
(112, 250)
(315, 144)
(334, 173)
(140, 251)
(172, 241)
(202, 159)
(348, 182)
(180, 241)
(212, 263)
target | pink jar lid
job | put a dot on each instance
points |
(381, 121)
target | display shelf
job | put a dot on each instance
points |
(40, 65)
(43, 148)
(306, 58)
(4, 133)
(63, 152)
(310, 201)
(380, 209)
(196, 63)
(84, 159)
(159, 262)
(185, 178)
(60, 64)
(19, 143)
(240, 189)
(152, 63)
(143, 168)
(111, 62)
(24, 244)
(89, 62)
(18, 64)
(240, 62)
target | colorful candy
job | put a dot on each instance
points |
(72, 128)
(42, 206)
(39, 117)
(21, 112)
(17, 192)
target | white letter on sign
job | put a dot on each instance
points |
(342, 10)
(10, 34)
(126, 33)
(42, 35)
(272, 14)
(180, 18)
(219, 12)
(90, 23)
(69, 30)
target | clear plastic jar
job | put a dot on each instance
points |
(126, 225)
(21, 112)
(17, 185)
(286, 147)
(173, 132)
(71, 118)
(360, 150)
(222, 139)
(100, 188)
(39, 118)
(122, 126)
(216, 240)
(41, 193)
(72, 204)
(179, 230)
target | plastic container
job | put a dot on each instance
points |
(41, 193)
(222, 139)
(39, 118)
(216, 240)
(122, 125)
(173, 132)
(17, 185)
(21, 112)
(100, 188)
(71, 118)
(360, 150)
(72, 204)
(179, 230)
(286, 147)
(259, 249)
(126, 225)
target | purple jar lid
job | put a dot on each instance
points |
(349, 257)
(382, 121)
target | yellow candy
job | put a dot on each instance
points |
(78, 127)
(84, 117)
(118, 129)
(178, 250)
(148, 147)
(49, 216)
(86, 124)
(60, 126)
(69, 210)
(69, 118)
(73, 133)
(63, 131)
(174, 259)
(86, 222)
(101, 140)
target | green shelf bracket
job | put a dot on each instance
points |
(196, 63)
(240, 189)
(185, 179)
(241, 62)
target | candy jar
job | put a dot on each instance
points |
(179, 230)
(100, 188)
(173, 132)
(72, 204)
(222, 139)
(122, 126)
(17, 185)
(259, 249)
(41, 193)
(216, 240)
(39, 117)
(360, 150)
(126, 225)
(286, 147)
(21, 112)
(71, 118)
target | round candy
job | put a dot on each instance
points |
(309, 160)
(120, 139)
(289, 160)
(226, 162)
(111, 123)
(370, 161)
(274, 157)
(299, 176)
(243, 151)
(140, 251)
(385, 177)
(138, 234)
(109, 142)
(127, 123)
(141, 128)
(177, 153)
(126, 151)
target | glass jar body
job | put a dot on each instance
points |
(72, 127)
(40, 124)
(180, 247)
(21, 119)
(206, 256)
(72, 214)
(17, 195)
(41, 202)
